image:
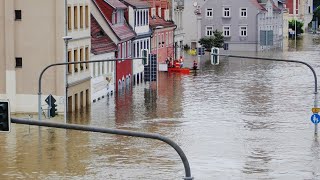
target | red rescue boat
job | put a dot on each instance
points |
(176, 68)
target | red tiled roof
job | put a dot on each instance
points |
(275, 7)
(100, 44)
(154, 22)
(258, 5)
(122, 31)
(116, 4)
(137, 3)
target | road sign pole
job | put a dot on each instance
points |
(316, 106)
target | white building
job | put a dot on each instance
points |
(179, 35)
(102, 73)
(138, 18)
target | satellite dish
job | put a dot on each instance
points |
(195, 4)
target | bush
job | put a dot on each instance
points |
(217, 40)
(299, 26)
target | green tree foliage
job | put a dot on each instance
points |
(299, 26)
(217, 40)
(316, 13)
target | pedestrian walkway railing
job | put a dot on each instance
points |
(113, 131)
(288, 61)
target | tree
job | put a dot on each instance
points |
(217, 40)
(299, 26)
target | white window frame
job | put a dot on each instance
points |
(243, 32)
(167, 39)
(225, 29)
(207, 31)
(226, 12)
(243, 12)
(209, 12)
(159, 11)
(153, 12)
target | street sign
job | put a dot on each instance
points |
(315, 119)
(315, 110)
(50, 99)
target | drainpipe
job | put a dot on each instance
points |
(173, 42)
(257, 32)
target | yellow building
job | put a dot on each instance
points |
(31, 38)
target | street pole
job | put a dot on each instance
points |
(198, 15)
(315, 106)
(66, 39)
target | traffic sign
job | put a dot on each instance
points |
(315, 119)
(315, 110)
(50, 99)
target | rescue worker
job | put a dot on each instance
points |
(181, 62)
(195, 65)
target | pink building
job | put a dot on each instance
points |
(162, 26)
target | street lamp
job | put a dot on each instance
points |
(157, 28)
(66, 41)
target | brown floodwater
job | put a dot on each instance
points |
(242, 119)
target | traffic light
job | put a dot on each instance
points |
(53, 110)
(5, 121)
(145, 56)
(201, 51)
(214, 56)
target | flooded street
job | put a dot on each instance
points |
(242, 119)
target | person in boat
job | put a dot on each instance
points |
(176, 63)
(195, 65)
(168, 62)
(181, 62)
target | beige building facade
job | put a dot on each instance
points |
(31, 38)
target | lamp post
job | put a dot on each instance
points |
(197, 12)
(157, 28)
(66, 40)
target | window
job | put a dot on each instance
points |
(69, 18)
(209, 30)
(134, 50)
(129, 48)
(138, 49)
(153, 12)
(226, 12)
(87, 16)
(87, 57)
(141, 18)
(75, 59)
(162, 40)
(18, 62)
(147, 17)
(135, 18)
(243, 31)
(167, 39)
(75, 22)
(138, 18)
(209, 12)
(226, 31)
(81, 16)
(69, 60)
(159, 11)
(17, 15)
(81, 59)
(123, 50)
(243, 12)
(120, 17)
